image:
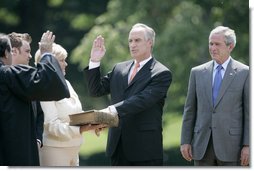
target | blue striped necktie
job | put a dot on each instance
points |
(217, 82)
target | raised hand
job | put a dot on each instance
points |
(47, 39)
(98, 49)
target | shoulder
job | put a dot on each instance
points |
(158, 64)
(124, 63)
(10, 70)
(203, 66)
(239, 65)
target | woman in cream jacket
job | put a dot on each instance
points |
(61, 142)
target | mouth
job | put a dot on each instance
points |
(134, 51)
(214, 54)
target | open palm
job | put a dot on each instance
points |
(98, 49)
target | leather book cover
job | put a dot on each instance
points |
(93, 117)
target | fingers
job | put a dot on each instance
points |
(47, 39)
(186, 152)
(98, 49)
(245, 154)
(99, 42)
(100, 128)
(245, 161)
(97, 132)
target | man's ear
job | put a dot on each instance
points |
(15, 50)
(231, 47)
(6, 53)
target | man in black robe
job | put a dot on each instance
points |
(19, 85)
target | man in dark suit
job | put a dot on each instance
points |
(215, 129)
(19, 84)
(21, 54)
(138, 89)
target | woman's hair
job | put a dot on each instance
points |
(57, 50)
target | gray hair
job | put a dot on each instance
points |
(229, 34)
(149, 32)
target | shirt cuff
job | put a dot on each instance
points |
(39, 141)
(113, 110)
(93, 65)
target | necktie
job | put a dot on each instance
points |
(134, 72)
(217, 83)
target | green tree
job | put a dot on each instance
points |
(182, 29)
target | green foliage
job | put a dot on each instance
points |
(182, 30)
(8, 17)
(82, 21)
(55, 3)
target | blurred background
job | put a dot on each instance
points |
(182, 28)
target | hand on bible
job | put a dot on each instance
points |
(107, 110)
(88, 127)
(98, 130)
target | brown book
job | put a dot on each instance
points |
(93, 117)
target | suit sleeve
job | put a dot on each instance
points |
(39, 122)
(44, 82)
(246, 111)
(97, 86)
(190, 111)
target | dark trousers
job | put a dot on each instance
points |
(210, 158)
(119, 159)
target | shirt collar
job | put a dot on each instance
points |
(142, 63)
(224, 65)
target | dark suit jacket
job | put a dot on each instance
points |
(139, 106)
(19, 85)
(227, 121)
(39, 120)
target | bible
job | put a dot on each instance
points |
(93, 117)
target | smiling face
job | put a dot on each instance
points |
(140, 47)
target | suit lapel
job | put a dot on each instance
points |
(227, 79)
(208, 77)
(126, 71)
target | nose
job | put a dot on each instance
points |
(132, 44)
